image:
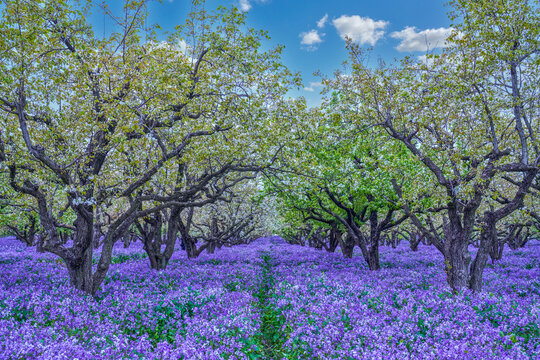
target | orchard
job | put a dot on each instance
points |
(164, 196)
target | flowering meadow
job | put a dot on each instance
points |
(269, 300)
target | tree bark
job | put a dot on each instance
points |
(373, 255)
(79, 260)
(211, 247)
(456, 253)
(192, 251)
(333, 239)
(347, 246)
(153, 239)
(488, 238)
(414, 241)
(80, 271)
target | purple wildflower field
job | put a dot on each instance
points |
(269, 300)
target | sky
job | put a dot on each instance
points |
(313, 31)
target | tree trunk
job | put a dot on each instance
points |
(496, 249)
(347, 246)
(333, 241)
(157, 261)
(41, 239)
(456, 268)
(191, 247)
(370, 246)
(103, 263)
(489, 229)
(487, 238)
(316, 241)
(80, 271)
(214, 236)
(373, 255)
(192, 251)
(456, 256)
(97, 236)
(28, 234)
(79, 259)
(152, 238)
(190, 243)
(414, 245)
(172, 236)
(211, 247)
(519, 241)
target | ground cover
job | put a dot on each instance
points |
(269, 300)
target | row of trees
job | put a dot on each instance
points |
(103, 136)
(447, 147)
(107, 139)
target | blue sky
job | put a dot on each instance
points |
(313, 31)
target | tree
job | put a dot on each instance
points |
(338, 182)
(92, 125)
(470, 117)
(238, 219)
(161, 228)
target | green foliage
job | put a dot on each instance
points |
(166, 321)
(271, 334)
(22, 314)
(336, 164)
(122, 258)
(489, 312)
(109, 130)
(528, 332)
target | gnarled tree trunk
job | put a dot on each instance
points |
(153, 239)
(347, 245)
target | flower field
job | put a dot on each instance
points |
(269, 300)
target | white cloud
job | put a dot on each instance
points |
(362, 30)
(246, 5)
(312, 86)
(424, 40)
(322, 21)
(311, 38)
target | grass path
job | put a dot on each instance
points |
(271, 334)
